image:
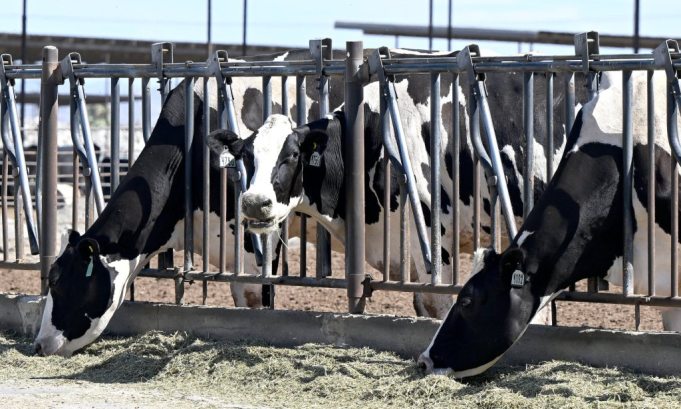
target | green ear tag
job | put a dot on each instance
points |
(89, 268)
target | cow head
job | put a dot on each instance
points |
(490, 313)
(80, 301)
(278, 153)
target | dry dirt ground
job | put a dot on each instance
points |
(320, 299)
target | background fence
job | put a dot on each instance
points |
(98, 172)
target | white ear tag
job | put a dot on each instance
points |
(518, 279)
(316, 159)
(226, 159)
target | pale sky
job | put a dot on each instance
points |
(294, 22)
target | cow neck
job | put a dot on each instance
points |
(143, 212)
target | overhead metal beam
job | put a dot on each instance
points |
(95, 50)
(516, 36)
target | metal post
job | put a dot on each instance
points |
(188, 150)
(5, 222)
(266, 239)
(284, 226)
(528, 126)
(301, 119)
(50, 81)
(430, 25)
(628, 152)
(385, 129)
(651, 182)
(673, 133)
(637, 20)
(455, 178)
(435, 191)
(205, 254)
(320, 50)
(243, 45)
(474, 134)
(405, 264)
(449, 27)
(354, 172)
(115, 135)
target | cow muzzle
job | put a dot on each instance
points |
(426, 364)
(256, 210)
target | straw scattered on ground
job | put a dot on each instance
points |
(155, 370)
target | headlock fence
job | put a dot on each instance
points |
(34, 197)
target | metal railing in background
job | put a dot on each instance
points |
(587, 60)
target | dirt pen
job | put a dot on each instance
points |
(202, 365)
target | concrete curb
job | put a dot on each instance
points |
(657, 353)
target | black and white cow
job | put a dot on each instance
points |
(144, 217)
(284, 180)
(575, 231)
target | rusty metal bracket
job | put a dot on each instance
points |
(367, 291)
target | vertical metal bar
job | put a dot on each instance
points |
(673, 131)
(569, 102)
(146, 110)
(21, 173)
(323, 245)
(131, 122)
(131, 144)
(188, 203)
(115, 135)
(76, 166)
(90, 149)
(528, 126)
(284, 226)
(88, 203)
(238, 236)
(205, 254)
(435, 190)
(39, 173)
(5, 223)
(637, 314)
(222, 124)
(569, 113)
(651, 183)
(405, 264)
(18, 225)
(50, 80)
(266, 239)
(354, 172)
(301, 119)
(549, 126)
(385, 128)
(455, 179)
(554, 314)
(474, 129)
(628, 153)
(267, 97)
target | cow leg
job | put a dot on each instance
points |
(246, 295)
(671, 319)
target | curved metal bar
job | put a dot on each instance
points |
(20, 167)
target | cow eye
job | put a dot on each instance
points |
(466, 302)
(293, 156)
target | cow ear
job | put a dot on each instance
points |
(223, 138)
(312, 143)
(511, 261)
(88, 249)
(73, 236)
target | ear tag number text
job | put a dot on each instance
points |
(316, 159)
(518, 279)
(227, 160)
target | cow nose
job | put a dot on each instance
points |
(38, 349)
(426, 364)
(257, 206)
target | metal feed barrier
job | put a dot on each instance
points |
(356, 70)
